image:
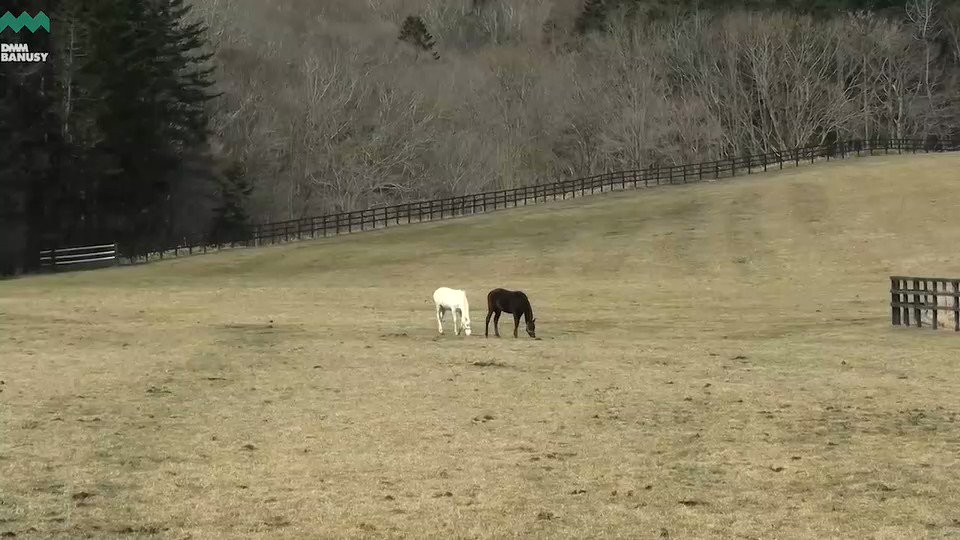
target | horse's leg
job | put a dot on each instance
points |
(440, 319)
(516, 323)
(486, 326)
(456, 319)
(496, 323)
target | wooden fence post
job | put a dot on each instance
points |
(936, 287)
(894, 302)
(905, 306)
(956, 306)
(917, 301)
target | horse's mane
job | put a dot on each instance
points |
(528, 309)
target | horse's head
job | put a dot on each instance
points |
(466, 324)
(532, 328)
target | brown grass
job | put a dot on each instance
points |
(717, 362)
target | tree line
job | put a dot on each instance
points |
(162, 120)
(108, 140)
(392, 101)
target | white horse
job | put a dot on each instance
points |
(454, 301)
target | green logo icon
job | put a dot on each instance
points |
(25, 20)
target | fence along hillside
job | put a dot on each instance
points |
(78, 257)
(465, 205)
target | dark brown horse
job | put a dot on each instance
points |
(513, 302)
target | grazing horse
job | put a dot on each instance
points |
(454, 301)
(514, 302)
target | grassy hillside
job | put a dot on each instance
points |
(716, 361)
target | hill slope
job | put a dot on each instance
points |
(716, 361)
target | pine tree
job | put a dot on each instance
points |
(76, 101)
(151, 118)
(99, 140)
(592, 17)
(31, 150)
(414, 31)
(231, 221)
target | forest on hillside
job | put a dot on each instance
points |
(193, 123)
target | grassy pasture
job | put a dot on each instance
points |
(716, 361)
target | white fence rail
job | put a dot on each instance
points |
(71, 258)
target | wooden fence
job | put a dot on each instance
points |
(918, 294)
(430, 210)
(75, 258)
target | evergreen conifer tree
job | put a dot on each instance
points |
(592, 17)
(230, 219)
(414, 31)
(149, 71)
(31, 149)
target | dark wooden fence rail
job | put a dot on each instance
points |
(920, 294)
(420, 211)
(71, 258)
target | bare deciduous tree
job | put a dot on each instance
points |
(333, 115)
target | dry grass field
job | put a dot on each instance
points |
(716, 361)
